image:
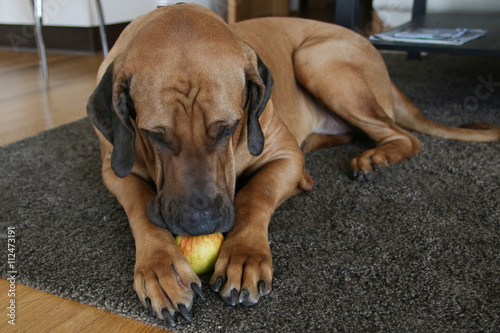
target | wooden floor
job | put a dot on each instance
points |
(29, 105)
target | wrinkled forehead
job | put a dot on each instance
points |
(164, 94)
(186, 63)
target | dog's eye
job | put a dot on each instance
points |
(164, 140)
(156, 136)
(227, 130)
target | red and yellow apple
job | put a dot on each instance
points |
(201, 251)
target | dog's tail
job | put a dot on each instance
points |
(408, 116)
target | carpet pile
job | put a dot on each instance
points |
(415, 251)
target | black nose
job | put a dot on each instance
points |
(200, 215)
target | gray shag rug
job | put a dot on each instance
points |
(415, 251)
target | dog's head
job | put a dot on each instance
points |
(188, 94)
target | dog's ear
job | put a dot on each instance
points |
(114, 122)
(154, 212)
(259, 87)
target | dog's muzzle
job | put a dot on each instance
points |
(198, 215)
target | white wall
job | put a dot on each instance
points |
(397, 12)
(80, 13)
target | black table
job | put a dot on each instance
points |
(488, 45)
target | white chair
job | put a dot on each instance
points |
(37, 11)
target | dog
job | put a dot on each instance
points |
(203, 128)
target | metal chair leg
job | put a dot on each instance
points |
(37, 13)
(102, 28)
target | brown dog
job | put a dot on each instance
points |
(184, 108)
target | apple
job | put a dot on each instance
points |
(201, 251)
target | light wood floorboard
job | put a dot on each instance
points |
(29, 105)
(41, 312)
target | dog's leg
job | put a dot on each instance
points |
(320, 141)
(347, 89)
(163, 278)
(244, 271)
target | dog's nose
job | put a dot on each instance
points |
(200, 215)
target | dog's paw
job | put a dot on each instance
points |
(164, 280)
(363, 176)
(370, 165)
(243, 273)
(373, 163)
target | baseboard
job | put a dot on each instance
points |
(70, 39)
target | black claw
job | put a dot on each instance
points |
(245, 299)
(361, 176)
(248, 302)
(244, 296)
(381, 170)
(232, 299)
(168, 317)
(184, 312)
(358, 175)
(218, 283)
(370, 176)
(150, 307)
(262, 287)
(197, 289)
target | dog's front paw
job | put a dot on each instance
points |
(243, 273)
(163, 280)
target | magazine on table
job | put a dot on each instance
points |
(458, 36)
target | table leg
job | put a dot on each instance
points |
(102, 28)
(347, 13)
(37, 11)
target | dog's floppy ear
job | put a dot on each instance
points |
(114, 124)
(260, 87)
